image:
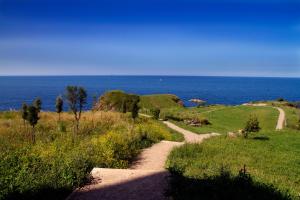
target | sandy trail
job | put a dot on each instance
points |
(189, 136)
(146, 179)
(281, 119)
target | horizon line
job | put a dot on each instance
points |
(141, 75)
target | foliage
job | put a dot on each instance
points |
(252, 125)
(135, 108)
(37, 103)
(24, 112)
(280, 99)
(117, 100)
(59, 105)
(76, 97)
(155, 113)
(56, 164)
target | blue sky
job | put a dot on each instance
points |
(150, 37)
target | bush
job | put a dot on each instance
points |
(252, 125)
(204, 122)
(280, 99)
(155, 112)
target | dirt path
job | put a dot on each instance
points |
(146, 179)
(281, 119)
(154, 158)
(189, 136)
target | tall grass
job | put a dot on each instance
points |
(59, 161)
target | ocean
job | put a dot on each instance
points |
(215, 90)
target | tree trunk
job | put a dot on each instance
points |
(33, 135)
(77, 126)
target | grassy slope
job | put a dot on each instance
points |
(160, 101)
(233, 118)
(190, 112)
(272, 160)
(270, 157)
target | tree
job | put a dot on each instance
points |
(252, 125)
(95, 101)
(76, 98)
(24, 112)
(37, 103)
(59, 105)
(124, 108)
(33, 119)
(135, 108)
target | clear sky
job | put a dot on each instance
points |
(150, 37)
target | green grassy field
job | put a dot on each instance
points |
(232, 118)
(60, 161)
(271, 158)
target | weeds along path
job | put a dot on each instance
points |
(281, 122)
(146, 179)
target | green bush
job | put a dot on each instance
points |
(155, 112)
(252, 125)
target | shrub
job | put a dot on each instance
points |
(135, 108)
(252, 125)
(280, 99)
(204, 122)
(59, 106)
(155, 112)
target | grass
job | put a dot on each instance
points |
(160, 101)
(231, 118)
(182, 113)
(292, 117)
(270, 157)
(59, 161)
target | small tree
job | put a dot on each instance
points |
(24, 113)
(155, 112)
(33, 119)
(252, 125)
(124, 107)
(59, 105)
(95, 101)
(37, 103)
(76, 97)
(135, 108)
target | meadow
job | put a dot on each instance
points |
(222, 119)
(264, 166)
(61, 160)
